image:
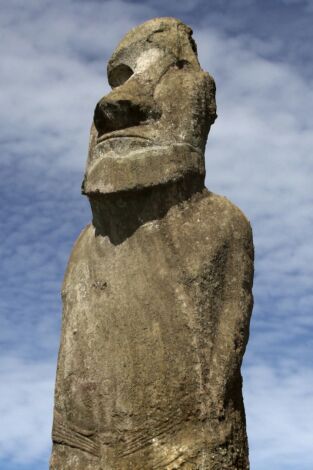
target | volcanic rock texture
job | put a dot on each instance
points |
(157, 294)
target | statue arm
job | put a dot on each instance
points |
(234, 312)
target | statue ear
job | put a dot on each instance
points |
(210, 97)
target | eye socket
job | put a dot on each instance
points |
(119, 75)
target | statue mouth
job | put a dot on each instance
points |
(119, 144)
(117, 135)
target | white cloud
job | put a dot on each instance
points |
(259, 154)
(26, 401)
(279, 404)
(53, 70)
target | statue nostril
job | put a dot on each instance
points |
(98, 118)
(112, 115)
(106, 116)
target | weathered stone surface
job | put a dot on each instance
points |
(152, 129)
(157, 294)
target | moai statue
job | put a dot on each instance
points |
(157, 293)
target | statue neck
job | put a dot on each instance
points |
(118, 215)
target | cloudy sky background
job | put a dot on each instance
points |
(259, 154)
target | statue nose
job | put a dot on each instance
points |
(111, 115)
(114, 115)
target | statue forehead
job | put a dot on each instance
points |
(167, 34)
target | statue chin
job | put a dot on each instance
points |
(125, 169)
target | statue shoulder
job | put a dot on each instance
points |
(82, 240)
(77, 262)
(225, 215)
(81, 247)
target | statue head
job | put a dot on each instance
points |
(151, 129)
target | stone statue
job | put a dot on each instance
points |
(157, 293)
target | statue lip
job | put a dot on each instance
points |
(119, 135)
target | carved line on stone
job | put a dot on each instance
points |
(139, 442)
(182, 457)
(64, 435)
(165, 463)
(144, 441)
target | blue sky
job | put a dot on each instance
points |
(259, 154)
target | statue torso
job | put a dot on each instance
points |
(139, 327)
